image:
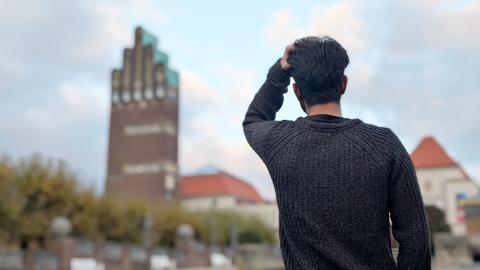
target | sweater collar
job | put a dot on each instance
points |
(326, 118)
(327, 123)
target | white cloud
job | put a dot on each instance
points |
(461, 25)
(197, 92)
(211, 130)
(39, 119)
(281, 31)
(433, 25)
(55, 69)
(204, 146)
(238, 83)
(339, 20)
(89, 100)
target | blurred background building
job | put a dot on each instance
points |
(443, 182)
(222, 191)
(472, 214)
(143, 139)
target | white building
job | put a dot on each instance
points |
(220, 190)
(443, 182)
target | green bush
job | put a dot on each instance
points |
(220, 224)
(249, 236)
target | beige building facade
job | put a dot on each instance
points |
(443, 182)
(223, 191)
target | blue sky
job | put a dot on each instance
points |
(414, 67)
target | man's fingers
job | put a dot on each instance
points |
(284, 62)
(288, 50)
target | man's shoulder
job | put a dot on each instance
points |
(272, 128)
(380, 136)
(281, 124)
(372, 129)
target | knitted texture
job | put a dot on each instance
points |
(336, 185)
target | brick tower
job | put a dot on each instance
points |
(143, 140)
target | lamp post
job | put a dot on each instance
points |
(147, 237)
(60, 227)
(184, 239)
(233, 241)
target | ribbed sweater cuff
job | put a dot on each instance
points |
(277, 76)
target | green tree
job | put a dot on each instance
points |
(43, 190)
(120, 220)
(109, 217)
(167, 219)
(133, 215)
(221, 223)
(84, 216)
(9, 209)
(436, 223)
(249, 236)
(436, 220)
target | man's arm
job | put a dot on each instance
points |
(259, 119)
(409, 224)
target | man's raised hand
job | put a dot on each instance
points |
(284, 62)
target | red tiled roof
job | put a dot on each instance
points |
(429, 154)
(219, 183)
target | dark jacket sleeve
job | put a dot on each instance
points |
(259, 119)
(407, 212)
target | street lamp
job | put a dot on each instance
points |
(147, 236)
(60, 227)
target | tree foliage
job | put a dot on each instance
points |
(436, 220)
(35, 190)
(220, 224)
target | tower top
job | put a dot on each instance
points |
(145, 74)
(147, 39)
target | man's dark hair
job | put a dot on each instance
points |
(318, 65)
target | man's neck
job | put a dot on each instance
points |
(331, 108)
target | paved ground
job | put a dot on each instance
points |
(458, 268)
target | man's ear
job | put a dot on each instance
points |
(299, 96)
(343, 86)
(298, 93)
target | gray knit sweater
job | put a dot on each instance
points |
(335, 185)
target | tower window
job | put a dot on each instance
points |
(126, 96)
(169, 182)
(148, 93)
(160, 91)
(427, 186)
(115, 97)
